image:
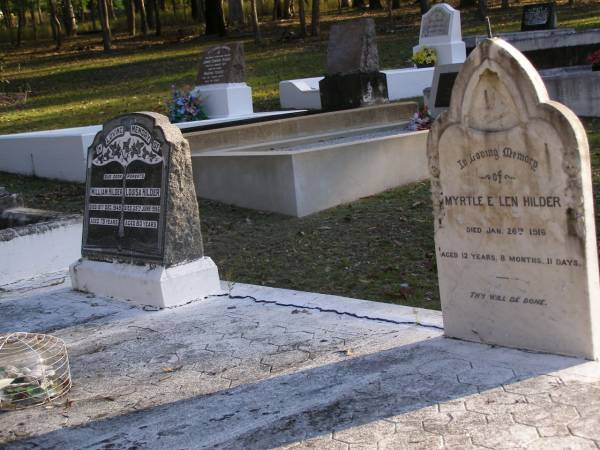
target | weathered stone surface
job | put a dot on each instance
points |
(223, 63)
(514, 225)
(143, 162)
(352, 48)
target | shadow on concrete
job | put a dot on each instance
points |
(288, 408)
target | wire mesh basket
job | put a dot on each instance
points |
(34, 369)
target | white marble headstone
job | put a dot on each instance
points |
(514, 222)
(440, 29)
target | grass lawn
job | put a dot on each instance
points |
(378, 248)
(81, 85)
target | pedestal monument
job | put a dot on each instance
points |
(141, 231)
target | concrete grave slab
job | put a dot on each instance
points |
(270, 368)
(513, 205)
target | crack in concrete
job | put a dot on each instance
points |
(329, 310)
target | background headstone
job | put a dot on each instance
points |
(220, 82)
(222, 64)
(441, 30)
(141, 230)
(539, 17)
(352, 76)
(514, 223)
(442, 86)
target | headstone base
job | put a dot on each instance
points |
(353, 90)
(147, 285)
(225, 99)
(447, 53)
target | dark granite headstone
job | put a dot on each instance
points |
(352, 77)
(140, 204)
(222, 64)
(539, 17)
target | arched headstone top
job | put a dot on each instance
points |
(498, 82)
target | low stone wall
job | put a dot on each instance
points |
(577, 87)
(39, 248)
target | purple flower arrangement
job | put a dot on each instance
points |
(184, 106)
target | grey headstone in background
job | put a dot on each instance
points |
(140, 204)
(8, 199)
(352, 48)
(222, 63)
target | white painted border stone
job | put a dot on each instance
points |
(225, 99)
(148, 285)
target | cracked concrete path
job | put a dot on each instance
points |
(271, 368)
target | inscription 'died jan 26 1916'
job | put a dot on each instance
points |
(125, 194)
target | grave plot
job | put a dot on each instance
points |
(34, 241)
(307, 164)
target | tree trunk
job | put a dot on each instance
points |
(302, 18)
(92, 8)
(105, 22)
(395, 4)
(130, 5)
(375, 4)
(111, 9)
(255, 24)
(55, 24)
(466, 4)
(424, 6)
(277, 11)
(157, 24)
(174, 5)
(150, 13)
(505, 4)
(288, 9)
(236, 12)
(315, 25)
(21, 22)
(39, 11)
(68, 17)
(215, 22)
(141, 4)
(359, 4)
(482, 8)
(345, 4)
(7, 14)
(33, 21)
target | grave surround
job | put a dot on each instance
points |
(141, 229)
(514, 224)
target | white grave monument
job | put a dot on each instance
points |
(440, 30)
(221, 84)
(514, 222)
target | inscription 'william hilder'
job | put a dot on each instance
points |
(511, 201)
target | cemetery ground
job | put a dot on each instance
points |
(81, 85)
(379, 248)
